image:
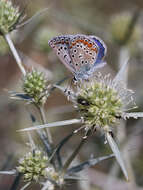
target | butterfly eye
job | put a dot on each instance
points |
(75, 51)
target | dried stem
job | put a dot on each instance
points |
(73, 155)
(15, 53)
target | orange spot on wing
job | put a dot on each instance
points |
(82, 41)
(89, 45)
(94, 49)
(85, 43)
(73, 43)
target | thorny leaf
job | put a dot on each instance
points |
(117, 154)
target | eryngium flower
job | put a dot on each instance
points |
(35, 86)
(33, 166)
(101, 101)
(98, 103)
(9, 16)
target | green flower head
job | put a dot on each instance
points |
(101, 101)
(9, 16)
(99, 104)
(35, 86)
(33, 166)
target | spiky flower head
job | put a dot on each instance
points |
(98, 104)
(101, 101)
(33, 166)
(9, 16)
(120, 24)
(36, 87)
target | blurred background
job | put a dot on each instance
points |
(120, 25)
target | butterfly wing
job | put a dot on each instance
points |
(60, 45)
(83, 52)
(102, 49)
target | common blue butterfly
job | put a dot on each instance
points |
(81, 54)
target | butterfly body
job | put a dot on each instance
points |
(81, 54)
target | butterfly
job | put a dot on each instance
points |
(81, 54)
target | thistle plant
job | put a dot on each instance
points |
(35, 85)
(37, 167)
(9, 17)
(33, 166)
(101, 102)
(98, 103)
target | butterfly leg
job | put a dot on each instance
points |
(68, 91)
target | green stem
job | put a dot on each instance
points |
(15, 53)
